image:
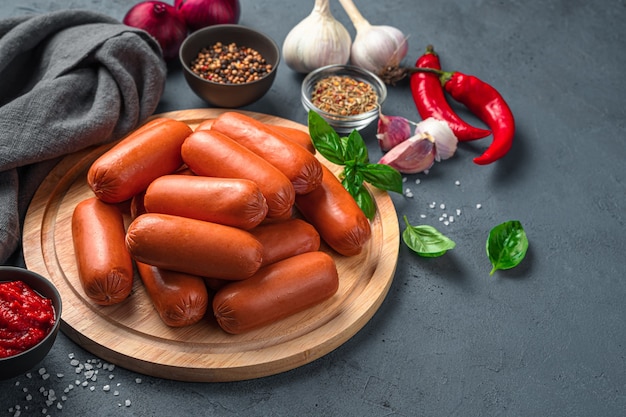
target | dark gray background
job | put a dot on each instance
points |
(544, 339)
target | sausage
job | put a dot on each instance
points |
(283, 239)
(205, 125)
(300, 166)
(336, 216)
(105, 268)
(180, 299)
(213, 154)
(275, 292)
(231, 201)
(299, 136)
(133, 163)
(296, 135)
(137, 208)
(193, 246)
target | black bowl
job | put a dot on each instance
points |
(27, 360)
(229, 95)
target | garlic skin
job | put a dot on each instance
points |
(318, 40)
(442, 136)
(416, 154)
(392, 130)
(375, 47)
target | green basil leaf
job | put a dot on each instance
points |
(325, 139)
(506, 245)
(425, 240)
(365, 201)
(354, 148)
(382, 176)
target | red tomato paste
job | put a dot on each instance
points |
(25, 318)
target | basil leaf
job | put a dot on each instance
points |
(354, 148)
(325, 139)
(382, 176)
(425, 240)
(365, 201)
(506, 245)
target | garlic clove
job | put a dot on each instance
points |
(441, 134)
(414, 155)
(316, 41)
(392, 130)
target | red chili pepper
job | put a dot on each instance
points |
(430, 99)
(489, 106)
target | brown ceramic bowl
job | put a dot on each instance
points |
(229, 95)
(23, 362)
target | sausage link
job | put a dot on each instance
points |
(283, 239)
(275, 292)
(213, 154)
(180, 299)
(336, 216)
(194, 246)
(296, 135)
(299, 165)
(133, 163)
(105, 268)
(299, 136)
(231, 201)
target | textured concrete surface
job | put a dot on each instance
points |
(544, 339)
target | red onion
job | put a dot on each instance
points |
(162, 21)
(202, 13)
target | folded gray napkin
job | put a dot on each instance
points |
(68, 80)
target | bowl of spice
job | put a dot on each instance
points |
(30, 317)
(229, 65)
(346, 96)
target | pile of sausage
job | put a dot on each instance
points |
(229, 216)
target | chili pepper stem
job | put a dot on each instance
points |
(391, 75)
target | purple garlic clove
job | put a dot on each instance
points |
(392, 130)
(414, 155)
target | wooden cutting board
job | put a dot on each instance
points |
(131, 334)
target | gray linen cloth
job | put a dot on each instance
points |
(68, 80)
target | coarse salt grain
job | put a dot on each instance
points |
(478, 206)
(457, 182)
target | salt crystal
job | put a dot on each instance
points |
(417, 181)
(457, 182)
(478, 206)
(127, 403)
(442, 206)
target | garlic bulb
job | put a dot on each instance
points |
(375, 47)
(318, 40)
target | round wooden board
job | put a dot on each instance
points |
(131, 334)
